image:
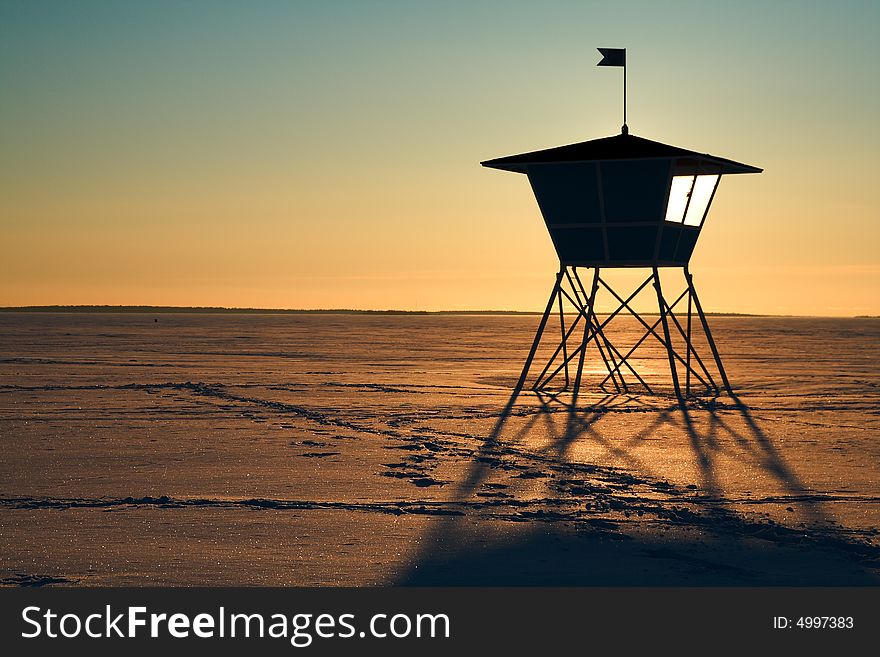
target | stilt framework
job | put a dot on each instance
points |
(582, 331)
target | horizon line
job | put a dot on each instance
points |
(233, 310)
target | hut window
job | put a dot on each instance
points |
(689, 198)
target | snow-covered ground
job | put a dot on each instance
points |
(361, 450)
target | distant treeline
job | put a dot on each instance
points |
(217, 310)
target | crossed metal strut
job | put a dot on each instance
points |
(570, 287)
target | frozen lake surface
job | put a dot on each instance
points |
(365, 450)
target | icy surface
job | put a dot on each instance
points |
(362, 450)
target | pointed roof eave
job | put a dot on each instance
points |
(617, 147)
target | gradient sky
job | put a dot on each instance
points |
(326, 154)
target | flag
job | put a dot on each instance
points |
(612, 57)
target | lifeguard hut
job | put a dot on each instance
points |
(622, 201)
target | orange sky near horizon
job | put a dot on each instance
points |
(291, 155)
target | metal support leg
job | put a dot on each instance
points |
(587, 334)
(687, 385)
(711, 382)
(669, 349)
(541, 326)
(563, 336)
(693, 291)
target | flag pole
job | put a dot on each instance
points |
(616, 57)
(624, 130)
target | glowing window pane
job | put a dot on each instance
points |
(678, 196)
(700, 197)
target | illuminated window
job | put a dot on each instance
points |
(696, 188)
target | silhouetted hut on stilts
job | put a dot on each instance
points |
(622, 201)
